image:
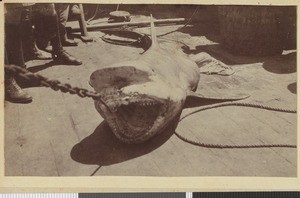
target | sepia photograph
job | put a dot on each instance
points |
(150, 90)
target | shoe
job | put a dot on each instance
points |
(65, 58)
(75, 10)
(69, 42)
(14, 93)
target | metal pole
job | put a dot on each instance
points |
(82, 23)
(139, 23)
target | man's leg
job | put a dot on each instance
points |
(46, 22)
(13, 41)
(59, 54)
(62, 10)
(14, 55)
(31, 51)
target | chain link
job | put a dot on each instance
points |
(53, 84)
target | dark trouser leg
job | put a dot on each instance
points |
(14, 55)
(59, 54)
(14, 46)
(62, 10)
(30, 49)
(27, 34)
(56, 40)
(47, 24)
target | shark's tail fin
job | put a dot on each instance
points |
(153, 33)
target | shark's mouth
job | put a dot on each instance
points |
(130, 103)
(133, 118)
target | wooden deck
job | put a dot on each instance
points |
(63, 135)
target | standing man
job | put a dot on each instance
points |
(14, 50)
(63, 10)
(45, 21)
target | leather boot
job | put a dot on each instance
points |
(64, 57)
(14, 93)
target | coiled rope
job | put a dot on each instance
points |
(83, 93)
(226, 146)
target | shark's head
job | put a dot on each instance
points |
(141, 98)
(136, 101)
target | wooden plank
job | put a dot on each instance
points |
(204, 161)
(61, 134)
(117, 158)
(35, 150)
(266, 135)
(63, 137)
(12, 140)
(238, 134)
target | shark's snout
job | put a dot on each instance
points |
(118, 77)
(131, 103)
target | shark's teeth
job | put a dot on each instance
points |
(126, 98)
(132, 116)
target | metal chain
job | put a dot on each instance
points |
(223, 146)
(53, 84)
(84, 93)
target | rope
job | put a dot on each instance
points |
(223, 146)
(84, 93)
(95, 14)
(92, 18)
(188, 22)
(118, 42)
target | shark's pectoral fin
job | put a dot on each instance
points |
(239, 96)
(196, 99)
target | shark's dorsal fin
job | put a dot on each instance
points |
(153, 33)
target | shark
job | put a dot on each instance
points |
(142, 97)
